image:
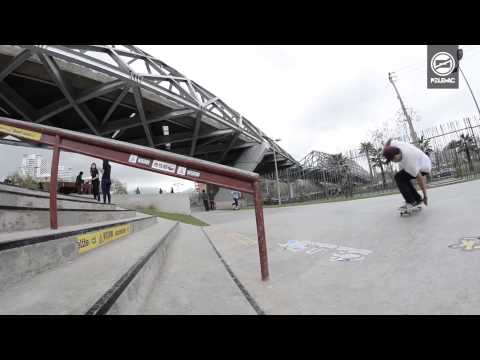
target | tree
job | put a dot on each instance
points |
(378, 161)
(366, 148)
(424, 145)
(119, 188)
(23, 181)
(341, 170)
(468, 146)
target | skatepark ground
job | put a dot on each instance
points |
(359, 257)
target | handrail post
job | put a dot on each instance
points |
(54, 184)
(262, 243)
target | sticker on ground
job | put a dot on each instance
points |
(467, 244)
(336, 252)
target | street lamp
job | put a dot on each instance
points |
(276, 173)
(459, 57)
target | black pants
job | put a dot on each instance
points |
(212, 205)
(96, 189)
(235, 201)
(205, 203)
(106, 191)
(408, 191)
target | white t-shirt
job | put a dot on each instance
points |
(413, 160)
(236, 194)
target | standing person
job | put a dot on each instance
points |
(160, 191)
(211, 199)
(171, 190)
(236, 197)
(413, 164)
(205, 200)
(79, 182)
(106, 182)
(95, 181)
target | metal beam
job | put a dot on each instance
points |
(229, 147)
(138, 100)
(183, 137)
(82, 110)
(128, 123)
(115, 105)
(211, 149)
(16, 102)
(64, 104)
(198, 122)
(15, 63)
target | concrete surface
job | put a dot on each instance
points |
(23, 262)
(72, 288)
(28, 219)
(26, 200)
(410, 268)
(172, 203)
(194, 281)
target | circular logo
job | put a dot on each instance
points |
(442, 63)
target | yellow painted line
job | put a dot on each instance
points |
(26, 134)
(92, 240)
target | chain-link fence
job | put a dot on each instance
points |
(453, 149)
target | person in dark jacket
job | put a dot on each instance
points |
(106, 182)
(79, 182)
(95, 181)
(211, 199)
(205, 200)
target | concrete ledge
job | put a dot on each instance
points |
(172, 203)
(25, 256)
(19, 199)
(130, 292)
(19, 218)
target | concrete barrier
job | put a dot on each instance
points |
(172, 203)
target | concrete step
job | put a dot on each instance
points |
(112, 279)
(21, 218)
(194, 281)
(24, 254)
(45, 194)
(18, 199)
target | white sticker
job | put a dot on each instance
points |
(133, 159)
(159, 165)
(143, 161)
(193, 173)
(181, 170)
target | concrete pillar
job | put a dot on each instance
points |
(249, 160)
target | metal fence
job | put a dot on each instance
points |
(452, 147)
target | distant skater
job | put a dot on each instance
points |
(413, 164)
(236, 197)
(204, 196)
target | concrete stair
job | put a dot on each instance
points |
(23, 209)
(112, 279)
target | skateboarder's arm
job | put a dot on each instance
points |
(423, 185)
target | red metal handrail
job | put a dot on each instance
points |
(144, 158)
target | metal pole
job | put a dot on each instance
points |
(53, 184)
(262, 242)
(276, 175)
(469, 88)
(409, 120)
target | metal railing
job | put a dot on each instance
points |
(144, 158)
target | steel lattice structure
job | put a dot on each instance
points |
(122, 92)
(320, 161)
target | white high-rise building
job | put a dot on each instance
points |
(34, 165)
(65, 174)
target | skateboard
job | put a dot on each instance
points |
(413, 210)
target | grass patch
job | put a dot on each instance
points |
(186, 219)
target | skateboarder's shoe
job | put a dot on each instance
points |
(403, 207)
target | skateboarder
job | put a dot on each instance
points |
(413, 164)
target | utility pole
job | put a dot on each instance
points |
(413, 134)
(459, 57)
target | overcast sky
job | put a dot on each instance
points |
(325, 98)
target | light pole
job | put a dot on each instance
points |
(276, 174)
(459, 57)
(276, 168)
